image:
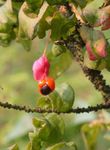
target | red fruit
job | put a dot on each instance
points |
(46, 86)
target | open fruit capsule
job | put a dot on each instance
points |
(46, 86)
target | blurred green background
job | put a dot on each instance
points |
(17, 86)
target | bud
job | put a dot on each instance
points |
(41, 68)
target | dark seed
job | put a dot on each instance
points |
(45, 90)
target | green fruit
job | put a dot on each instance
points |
(58, 49)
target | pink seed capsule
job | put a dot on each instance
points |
(41, 68)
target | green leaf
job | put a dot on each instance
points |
(5, 39)
(50, 130)
(41, 28)
(62, 146)
(43, 128)
(57, 127)
(56, 101)
(27, 24)
(34, 5)
(90, 135)
(56, 27)
(69, 27)
(8, 20)
(45, 132)
(38, 122)
(36, 143)
(90, 15)
(1, 2)
(44, 23)
(95, 16)
(59, 64)
(28, 147)
(52, 101)
(107, 59)
(60, 100)
(27, 43)
(81, 3)
(14, 147)
(56, 2)
(61, 26)
(44, 102)
(58, 49)
(16, 6)
(67, 94)
(95, 41)
(54, 119)
(96, 65)
(7, 14)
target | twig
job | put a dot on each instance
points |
(74, 43)
(77, 110)
(76, 12)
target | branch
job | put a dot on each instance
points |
(74, 43)
(77, 110)
(106, 3)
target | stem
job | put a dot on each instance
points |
(76, 12)
(74, 44)
(47, 42)
(77, 110)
